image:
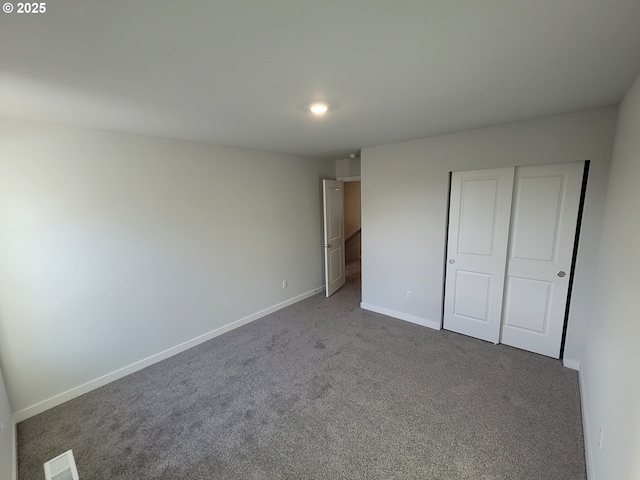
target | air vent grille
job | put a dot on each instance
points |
(63, 467)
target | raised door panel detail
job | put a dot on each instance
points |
(336, 219)
(477, 216)
(472, 295)
(527, 305)
(337, 264)
(535, 227)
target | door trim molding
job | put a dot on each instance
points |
(574, 259)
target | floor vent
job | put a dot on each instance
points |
(63, 467)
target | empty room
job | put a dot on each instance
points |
(352, 239)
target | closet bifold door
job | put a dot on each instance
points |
(543, 226)
(479, 214)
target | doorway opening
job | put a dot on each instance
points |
(342, 231)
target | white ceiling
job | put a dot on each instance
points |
(238, 72)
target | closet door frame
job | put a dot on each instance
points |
(493, 289)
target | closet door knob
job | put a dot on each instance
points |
(561, 273)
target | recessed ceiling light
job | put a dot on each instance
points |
(319, 108)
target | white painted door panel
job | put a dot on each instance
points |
(476, 251)
(543, 226)
(333, 203)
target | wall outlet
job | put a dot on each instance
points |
(285, 284)
(409, 294)
(600, 437)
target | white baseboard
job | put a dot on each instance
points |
(572, 364)
(402, 316)
(139, 365)
(585, 429)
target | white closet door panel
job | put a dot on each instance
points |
(479, 216)
(544, 217)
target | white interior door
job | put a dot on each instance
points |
(477, 250)
(333, 201)
(543, 226)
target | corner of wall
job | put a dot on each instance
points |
(14, 449)
(571, 363)
(585, 426)
(425, 322)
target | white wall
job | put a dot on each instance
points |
(610, 373)
(404, 208)
(348, 168)
(114, 248)
(6, 434)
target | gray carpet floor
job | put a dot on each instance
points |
(324, 390)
